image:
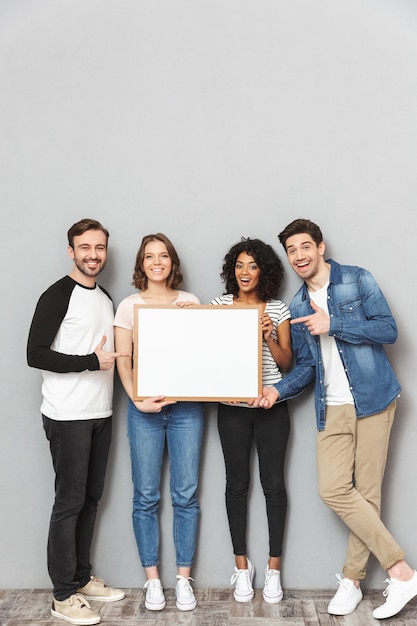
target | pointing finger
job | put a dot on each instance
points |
(300, 320)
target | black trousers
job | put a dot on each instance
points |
(238, 428)
(79, 454)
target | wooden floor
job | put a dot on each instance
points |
(216, 607)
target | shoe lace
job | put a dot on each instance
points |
(78, 600)
(344, 589)
(241, 578)
(386, 592)
(98, 581)
(272, 579)
(184, 587)
(153, 587)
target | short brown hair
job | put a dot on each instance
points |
(79, 228)
(140, 280)
(299, 226)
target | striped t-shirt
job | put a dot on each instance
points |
(278, 312)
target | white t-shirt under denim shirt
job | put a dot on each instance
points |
(336, 382)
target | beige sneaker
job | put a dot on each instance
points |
(75, 610)
(96, 589)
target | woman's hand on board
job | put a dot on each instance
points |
(155, 404)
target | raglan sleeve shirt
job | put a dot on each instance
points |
(49, 314)
(68, 324)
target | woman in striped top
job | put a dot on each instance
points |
(253, 273)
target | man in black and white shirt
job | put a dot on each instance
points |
(71, 341)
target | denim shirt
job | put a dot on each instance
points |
(361, 322)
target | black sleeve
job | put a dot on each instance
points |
(49, 313)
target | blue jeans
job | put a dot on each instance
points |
(181, 427)
(79, 452)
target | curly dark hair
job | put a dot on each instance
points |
(269, 263)
(140, 280)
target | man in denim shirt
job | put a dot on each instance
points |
(340, 321)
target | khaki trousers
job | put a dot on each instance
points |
(351, 459)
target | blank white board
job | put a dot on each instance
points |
(198, 352)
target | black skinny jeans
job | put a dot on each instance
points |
(79, 454)
(269, 428)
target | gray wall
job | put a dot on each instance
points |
(208, 120)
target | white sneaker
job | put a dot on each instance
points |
(185, 595)
(346, 598)
(154, 599)
(272, 592)
(398, 593)
(243, 578)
